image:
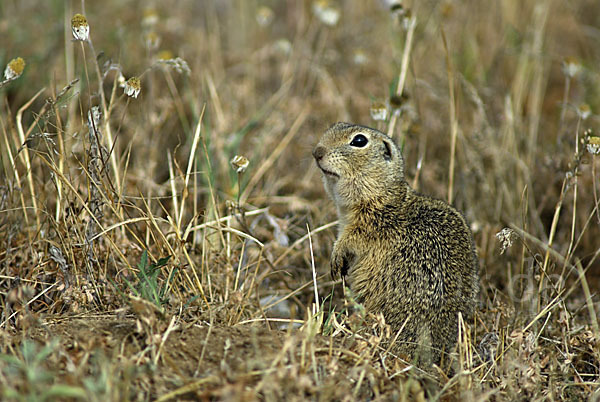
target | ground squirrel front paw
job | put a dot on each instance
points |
(341, 258)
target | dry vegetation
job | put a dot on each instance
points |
(137, 263)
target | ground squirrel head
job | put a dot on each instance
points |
(359, 164)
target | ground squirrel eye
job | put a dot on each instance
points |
(359, 141)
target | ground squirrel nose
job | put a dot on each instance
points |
(319, 152)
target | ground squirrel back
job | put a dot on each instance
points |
(406, 255)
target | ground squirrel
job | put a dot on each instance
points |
(406, 255)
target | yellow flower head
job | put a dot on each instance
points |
(14, 68)
(164, 55)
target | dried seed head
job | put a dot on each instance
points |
(408, 20)
(569, 175)
(133, 87)
(593, 145)
(177, 63)
(571, 67)
(396, 8)
(401, 15)
(239, 163)
(505, 237)
(397, 102)
(264, 16)
(14, 69)
(80, 27)
(379, 111)
(94, 116)
(326, 13)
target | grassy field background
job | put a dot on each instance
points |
(138, 263)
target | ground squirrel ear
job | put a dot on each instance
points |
(387, 155)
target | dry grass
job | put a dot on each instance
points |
(136, 263)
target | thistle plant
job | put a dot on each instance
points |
(147, 285)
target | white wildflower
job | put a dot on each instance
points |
(240, 163)
(283, 46)
(133, 87)
(264, 16)
(593, 145)
(14, 69)
(571, 67)
(379, 111)
(80, 27)
(150, 17)
(327, 14)
(584, 111)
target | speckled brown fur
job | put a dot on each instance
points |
(406, 255)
